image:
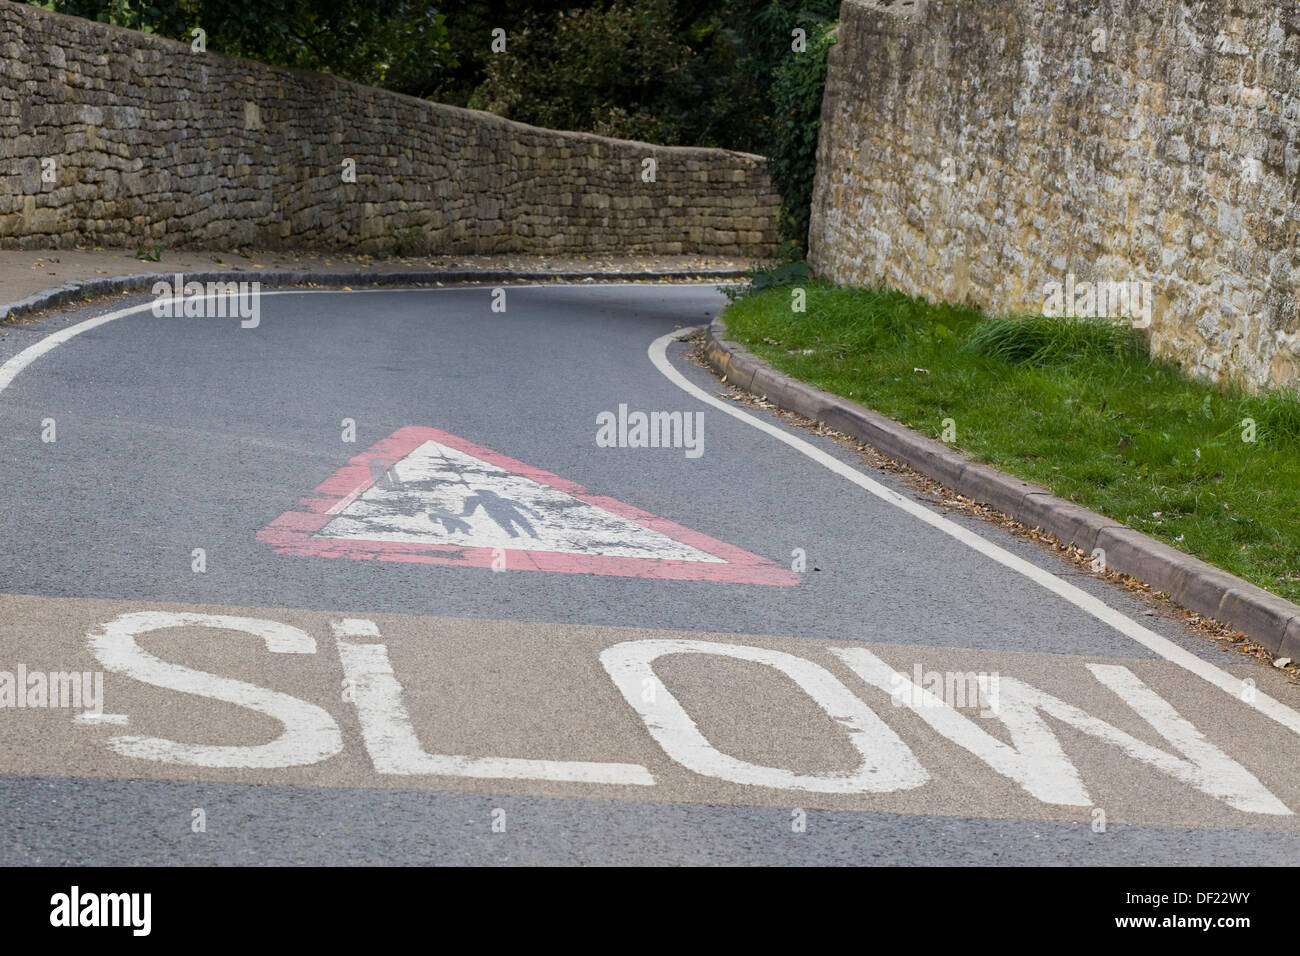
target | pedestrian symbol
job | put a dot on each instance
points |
(426, 496)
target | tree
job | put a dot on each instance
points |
(604, 70)
(401, 44)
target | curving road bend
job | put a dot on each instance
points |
(392, 578)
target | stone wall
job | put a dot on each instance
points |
(978, 151)
(149, 140)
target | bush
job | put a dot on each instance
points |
(796, 94)
(410, 243)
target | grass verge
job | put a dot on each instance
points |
(1075, 405)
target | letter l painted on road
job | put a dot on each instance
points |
(394, 748)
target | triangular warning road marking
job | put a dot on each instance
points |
(427, 496)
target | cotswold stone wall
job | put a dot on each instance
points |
(979, 151)
(113, 137)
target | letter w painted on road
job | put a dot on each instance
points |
(1036, 761)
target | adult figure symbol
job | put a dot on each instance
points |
(503, 511)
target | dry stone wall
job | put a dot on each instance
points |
(113, 137)
(989, 150)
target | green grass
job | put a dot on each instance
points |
(1076, 405)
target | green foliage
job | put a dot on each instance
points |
(1043, 340)
(796, 95)
(401, 44)
(779, 276)
(681, 69)
(1276, 416)
(410, 243)
(469, 32)
(150, 251)
(615, 69)
(1075, 406)
(770, 277)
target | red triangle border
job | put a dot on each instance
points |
(293, 532)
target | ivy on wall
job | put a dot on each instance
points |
(796, 93)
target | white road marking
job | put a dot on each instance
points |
(1036, 761)
(310, 733)
(27, 356)
(354, 627)
(88, 718)
(343, 502)
(1162, 646)
(887, 763)
(10, 369)
(394, 747)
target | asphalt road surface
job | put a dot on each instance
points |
(388, 578)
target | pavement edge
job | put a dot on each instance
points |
(86, 290)
(1268, 620)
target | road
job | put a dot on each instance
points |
(384, 579)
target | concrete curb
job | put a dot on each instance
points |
(86, 289)
(1266, 619)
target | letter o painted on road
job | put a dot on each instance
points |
(887, 763)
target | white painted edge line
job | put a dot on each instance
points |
(9, 371)
(11, 368)
(1103, 612)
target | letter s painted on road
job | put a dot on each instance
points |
(310, 733)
